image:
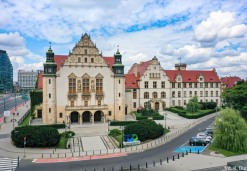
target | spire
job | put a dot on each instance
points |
(118, 50)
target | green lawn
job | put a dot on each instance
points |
(225, 152)
(26, 120)
(62, 142)
(198, 112)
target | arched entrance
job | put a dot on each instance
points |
(86, 116)
(156, 106)
(74, 117)
(97, 116)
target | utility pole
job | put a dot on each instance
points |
(15, 100)
(4, 109)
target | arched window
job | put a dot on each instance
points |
(146, 95)
(155, 95)
(163, 95)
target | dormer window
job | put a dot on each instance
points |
(179, 78)
(85, 51)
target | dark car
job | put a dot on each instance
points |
(197, 142)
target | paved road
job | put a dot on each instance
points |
(161, 152)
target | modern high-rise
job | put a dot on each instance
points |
(27, 80)
(6, 73)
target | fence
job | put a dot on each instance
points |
(138, 148)
(23, 117)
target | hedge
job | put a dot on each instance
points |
(121, 123)
(36, 136)
(158, 117)
(57, 126)
(197, 115)
(141, 117)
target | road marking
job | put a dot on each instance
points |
(8, 164)
(72, 159)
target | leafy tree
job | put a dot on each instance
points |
(236, 98)
(230, 131)
(193, 105)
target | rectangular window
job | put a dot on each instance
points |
(206, 85)
(190, 93)
(85, 51)
(72, 85)
(212, 93)
(85, 60)
(185, 94)
(190, 85)
(119, 94)
(119, 107)
(201, 93)
(85, 86)
(109, 113)
(212, 85)
(195, 93)
(179, 102)
(173, 102)
(99, 86)
(201, 85)
(179, 85)
(173, 94)
(146, 84)
(217, 102)
(49, 110)
(99, 102)
(134, 105)
(79, 59)
(217, 94)
(173, 85)
(179, 93)
(60, 115)
(86, 103)
(72, 103)
(184, 85)
(92, 60)
(49, 81)
(154, 84)
(195, 85)
(184, 102)
(49, 95)
(134, 94)
(163, 84)
(119, 81)
(206, 93)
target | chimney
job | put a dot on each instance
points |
(135, 69)
(180, 66)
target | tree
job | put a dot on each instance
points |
(230, 131)
(193, 105)
(236, 98)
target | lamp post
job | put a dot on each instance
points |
(108, 122)
(13, 120)
(164, 114)
(122, 128)
(24, 143)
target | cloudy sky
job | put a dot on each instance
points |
(204, 34)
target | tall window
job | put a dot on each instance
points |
(201, 93)
(146, 95)
(134, 105)
(212, 93)
(99, 102)
(173, 94)
(179, 85)
(184, 102)
(212, 85)
(92, 60)
(206, 93)
(190, 93)
(163, 95)
(85, 60)
(190, 85)
(195, 93)
(179, 93)
(146, 84)
(134, 94)
(184, 85)
(154, 84)
(201, 85)
(206, 85)
(173, 85)
(86, 103)
(163, 84)
(185, 94)
(72, 85)
(195, 85)
(85, 85)
(155, 95)
(99, 85)
(217, 93)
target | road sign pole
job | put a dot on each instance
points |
(15, 101)
(4, 109)
(24, 142)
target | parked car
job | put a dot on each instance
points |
(194, 141)
(209, 130)
(204, 135)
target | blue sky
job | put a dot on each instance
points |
(205, 34)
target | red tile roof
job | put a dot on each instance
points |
(109, 61)
(141, 68)
(192, 75)
(131, 81)
(229, 82)
(40, 80)
(59, 60)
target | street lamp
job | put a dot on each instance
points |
(13, 120)
(108, 122)
(122, 129)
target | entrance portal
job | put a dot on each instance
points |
(74, 117)
(97, 116)
(39, 113)
(157, 106)
(86, 116)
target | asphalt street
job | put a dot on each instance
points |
(155, 154)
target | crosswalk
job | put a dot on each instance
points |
(8, 164)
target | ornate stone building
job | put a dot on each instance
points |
(83, 86)
(149, 82)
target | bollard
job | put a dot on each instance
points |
(167, 160)
(100, 151)
(160, 162)
(138, 166)
(121, 168)
(57, 155)
(53, 151)
(146, 165)
(50, 155)
(72, 154)
(198, 152)
(178, 156)
(130, 167)
(173, 158)
(93, 152)
(190, 150)
(186, 152)
(18, 164)
(86, 153)
(94, 169)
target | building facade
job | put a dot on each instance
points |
(83, 86)
(149, 82)
(27, 80)
(6, 73)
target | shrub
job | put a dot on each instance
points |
(179, 107)
(141, 117)
(121, 123)
(36, 136)
(158, 117)
(115, 132)
(145, 129)
(68, 134)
